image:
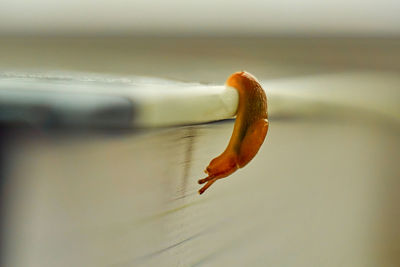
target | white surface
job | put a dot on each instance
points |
(369, 93)
(159, 102)
(319, 193)
(156, 102)
(322, 191)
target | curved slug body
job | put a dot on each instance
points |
(249, 131)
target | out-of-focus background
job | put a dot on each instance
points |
(270, 38)
(221, 17)
(322, 191)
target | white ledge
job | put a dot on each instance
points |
(107, 101)
(142, 102)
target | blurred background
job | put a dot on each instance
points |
(270, 38)
(323, 190)
(189, 18)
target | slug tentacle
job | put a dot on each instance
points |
(250, 129)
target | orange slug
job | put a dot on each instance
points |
(249, 131)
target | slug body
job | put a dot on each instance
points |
(249, 131)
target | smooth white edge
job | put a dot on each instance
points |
(156, 102)
(160, 102)
(195, 104)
